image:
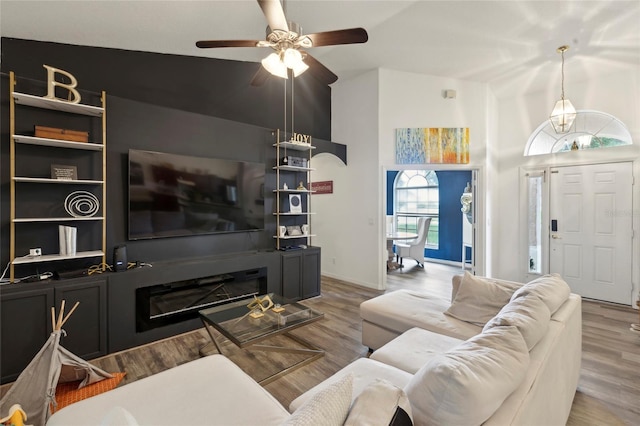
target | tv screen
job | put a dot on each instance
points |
(176, 195)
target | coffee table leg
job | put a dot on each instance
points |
(310, 349)
(213, 340)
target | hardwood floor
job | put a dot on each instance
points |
(608, 392)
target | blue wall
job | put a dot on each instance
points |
(451, 186)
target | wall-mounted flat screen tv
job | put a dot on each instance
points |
(176, 195)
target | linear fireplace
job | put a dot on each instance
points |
(173, 302)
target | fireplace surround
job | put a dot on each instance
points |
(177, 301)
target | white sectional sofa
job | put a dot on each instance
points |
(215, 391)
(499, 353)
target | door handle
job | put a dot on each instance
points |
(556, 237)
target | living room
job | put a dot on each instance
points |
(360, 112)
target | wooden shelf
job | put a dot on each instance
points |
(288, 172)
(59, 181)
(57, 105)
(24, 106)
(293, 168)
(57, 143)
(56, 219)
(291, 237)
(294, 191)
(55, 257)
(295, 146)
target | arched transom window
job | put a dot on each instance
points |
(590, 130)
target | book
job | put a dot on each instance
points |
(67, 238)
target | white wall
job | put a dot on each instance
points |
(366, 112)
(367, 109)
(351, 217)
(617, 94)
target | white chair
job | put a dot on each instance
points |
(415, 248)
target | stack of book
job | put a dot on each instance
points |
(67, 236)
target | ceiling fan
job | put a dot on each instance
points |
(289, 43)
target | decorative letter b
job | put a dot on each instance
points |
(52, 83)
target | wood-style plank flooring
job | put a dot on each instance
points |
(608, 392)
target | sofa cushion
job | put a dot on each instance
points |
(364, 371)
(528, 314)
(379, 404)
(466, 385)
(551, 289)
(414, 348)
(329, 407)
(479, 299)
(402, 310)
(457, 279)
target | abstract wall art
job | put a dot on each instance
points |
(448, 145)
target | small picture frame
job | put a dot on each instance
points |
(64, 172)
(295, 203)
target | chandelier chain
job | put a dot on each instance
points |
(562, 78)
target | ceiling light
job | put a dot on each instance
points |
(275, 66)
(563, 113)
(291, 57)
(277, 63)
(299, 68)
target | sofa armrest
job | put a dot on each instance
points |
(204, 391)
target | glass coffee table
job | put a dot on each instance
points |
(235, 322)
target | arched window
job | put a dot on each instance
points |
(417, 195)
(590, 130)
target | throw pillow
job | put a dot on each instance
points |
(466, 385)
(551, 289)
(479, 299)
(329, 406)
(528, 314)
(378, 404)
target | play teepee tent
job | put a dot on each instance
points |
(35, 388)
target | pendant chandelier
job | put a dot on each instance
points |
(563, 113)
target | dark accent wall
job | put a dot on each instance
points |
(176, 104)
(451, 187)
(215, 87)
(137, 125)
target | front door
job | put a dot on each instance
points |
(591, 229)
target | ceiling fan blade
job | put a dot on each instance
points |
(204, 44)
(331, 38)
(260, 77)
(274, 13)
(318, 70)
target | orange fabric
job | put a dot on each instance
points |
(68, 393)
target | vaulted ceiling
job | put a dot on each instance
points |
(511, 45)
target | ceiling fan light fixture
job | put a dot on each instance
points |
(299, 68)
(563, 114)
(275, 66)
(291, 58)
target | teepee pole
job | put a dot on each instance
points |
(62, 318)
(69, 314)
(59, 323)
